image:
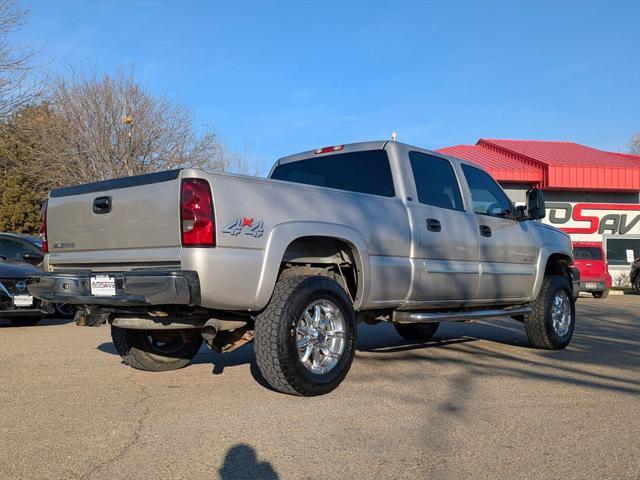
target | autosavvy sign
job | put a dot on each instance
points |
(590, 221)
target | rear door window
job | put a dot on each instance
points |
(436, 182)
(14, 249)
(587, 253)
(362, 172)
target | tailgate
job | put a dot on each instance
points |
(116, 221)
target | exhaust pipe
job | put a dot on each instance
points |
(209, 331)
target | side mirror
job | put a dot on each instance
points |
(535, 209)
(33, 258)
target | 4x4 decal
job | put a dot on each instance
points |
(251, 227)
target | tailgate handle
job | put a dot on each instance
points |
(102, 205)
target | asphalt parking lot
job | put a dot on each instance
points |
(474, 403)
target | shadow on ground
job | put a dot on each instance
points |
(241, 462)
(598, 341)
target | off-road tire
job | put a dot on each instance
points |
(600, 294)
(25, 321)
(538, 324)
(275, 340)
(138, 351)
(636, 283)
(420, 332)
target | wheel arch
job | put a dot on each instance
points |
(284, 237)
(551, 262)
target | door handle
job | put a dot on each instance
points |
(485, 230)
(433, 225)
(102, 205)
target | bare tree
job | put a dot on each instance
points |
(634, 144)
(15, 63)
(108, 126)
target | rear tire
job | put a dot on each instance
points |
(636, 283)
(25, 321)
(305, 339)
(550, 325)
(156, 350)
(600, 294)
(420, 332)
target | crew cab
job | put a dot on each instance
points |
(372, 231)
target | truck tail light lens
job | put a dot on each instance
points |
(196, 213)
(43, 227)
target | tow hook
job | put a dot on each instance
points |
(209, 332)
(88, 317)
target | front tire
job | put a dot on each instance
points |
(25, 321)
(550, 325)
(305, 339)
(420, 332)
(156, 350)
(636, 283)
(600, 294)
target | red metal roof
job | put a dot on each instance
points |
(558, 165)
(500, 166)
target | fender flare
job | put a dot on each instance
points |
(281, 236)
(545, 253)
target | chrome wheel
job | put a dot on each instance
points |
(561, 313)
(320, 336)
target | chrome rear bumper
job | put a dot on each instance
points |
(134, 288)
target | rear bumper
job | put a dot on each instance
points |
(593, 285)
(135, 288)
(26, 312)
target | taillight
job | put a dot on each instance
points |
(43, 227)
(196, 213)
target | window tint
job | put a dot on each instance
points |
(617, 250)
(14, 249)
(435, 181)
(587, 253)
(364, 172)
(488, 198)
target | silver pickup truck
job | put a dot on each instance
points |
(373, 231)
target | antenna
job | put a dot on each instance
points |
(394, 136)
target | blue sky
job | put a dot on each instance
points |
(285, 76)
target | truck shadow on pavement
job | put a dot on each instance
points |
(598, 344)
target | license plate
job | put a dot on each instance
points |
(591, 286)
(103, 286)
(22, 300)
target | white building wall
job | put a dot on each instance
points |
(610, 218)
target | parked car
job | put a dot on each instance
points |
(22, 248)
(590, 259)
(374, 231)
(635, 275)
(26, 248)
(16, 303)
